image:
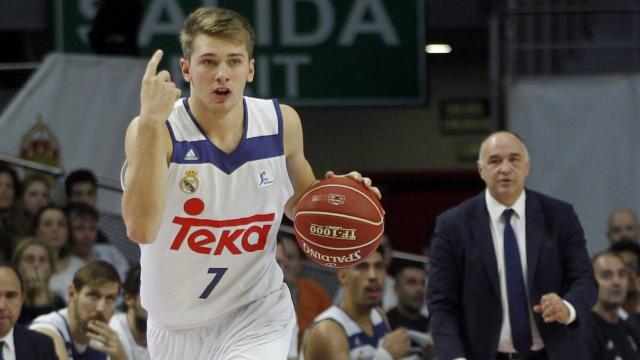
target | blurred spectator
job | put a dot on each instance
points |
(35, 264)
(356, 328)
(83, 221)
(309, 298)
(629, 252)
(9, 193)
(82, 186)
(81, 330)
(17, 341)
(410, 287)
(608, 337)
(389, 298)
(131, 325)
(623, 224)
(36, 194)
(52, 229)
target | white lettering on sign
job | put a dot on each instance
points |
(153, 25)
(379, 24)
(288, 18)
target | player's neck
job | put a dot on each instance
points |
(224, 127)
(358, 313)
(608, 314)
(138, 336)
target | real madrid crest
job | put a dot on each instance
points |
(190, 182)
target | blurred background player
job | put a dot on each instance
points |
(356, 328)
(131, 325)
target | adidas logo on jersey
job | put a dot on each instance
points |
(191, 155)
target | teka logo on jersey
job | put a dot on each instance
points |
(237, 236)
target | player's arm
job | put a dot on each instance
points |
(148, 148)
(326, 341)
(58, 343)
(298, 167)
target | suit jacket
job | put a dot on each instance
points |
(464, 288)
(31, 345)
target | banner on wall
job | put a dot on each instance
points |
(308, 52)
(73, 113)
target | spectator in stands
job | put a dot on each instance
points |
(16, 341)
(608, 336)
(356, 329)
(35, 265)
(9, 192)
(36, 194)
(131, 325)
(83, 220)
(629, 252)
(81, 330)
(82, 186)
(410, 287)
(623, 224)
(389, 298)
(309, 298)
(52, 229)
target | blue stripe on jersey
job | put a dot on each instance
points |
(205, 151)
(361, 338)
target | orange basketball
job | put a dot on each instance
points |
(339, 222)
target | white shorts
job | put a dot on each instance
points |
(261, 328)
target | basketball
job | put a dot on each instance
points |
(339, 222)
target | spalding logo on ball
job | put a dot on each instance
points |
(339, 222)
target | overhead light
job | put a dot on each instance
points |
(438, 48)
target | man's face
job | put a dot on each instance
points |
(136, 311)
(84, 233)
(36, 196)
(612, 276)
(504, 167)
(91, 301)
(364, 282)
(11, 299)
(411, 288)
(84, 192)
(218, 72)
(631, 261)
(623, 225)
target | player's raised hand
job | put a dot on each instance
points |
(158, 92)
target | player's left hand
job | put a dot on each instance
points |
(552, 308)
(106, 340)
(359, 178)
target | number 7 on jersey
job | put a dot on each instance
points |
(217, 275)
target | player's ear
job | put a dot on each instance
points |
(342, 276)
(185, 67)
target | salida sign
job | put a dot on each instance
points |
(308, 52)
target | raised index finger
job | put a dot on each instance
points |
(152, 65)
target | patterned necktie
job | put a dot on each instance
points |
(516, 291)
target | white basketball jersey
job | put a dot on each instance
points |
(361, 345)
(215, 250)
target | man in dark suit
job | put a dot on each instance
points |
(17, 342)
(510, 276)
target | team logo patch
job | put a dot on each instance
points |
(264, 179)
(190, 182)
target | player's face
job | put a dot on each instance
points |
(10, 300)
(52, 229)
(612, 276)
(365, 281)
(7, 192)
(84, 192)
(93, 300)
(36, 196)
(411, 289)
(84, 233)
(218, 71)
(504, 167)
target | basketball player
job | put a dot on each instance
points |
(356, 329)
(206, 182)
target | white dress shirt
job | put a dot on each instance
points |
(8, 348)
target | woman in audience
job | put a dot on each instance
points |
(52, 229)
(35, 264)
(9, 192)
(36, 194)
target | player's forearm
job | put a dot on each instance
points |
(143, 200)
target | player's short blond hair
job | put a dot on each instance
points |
(218, 22)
